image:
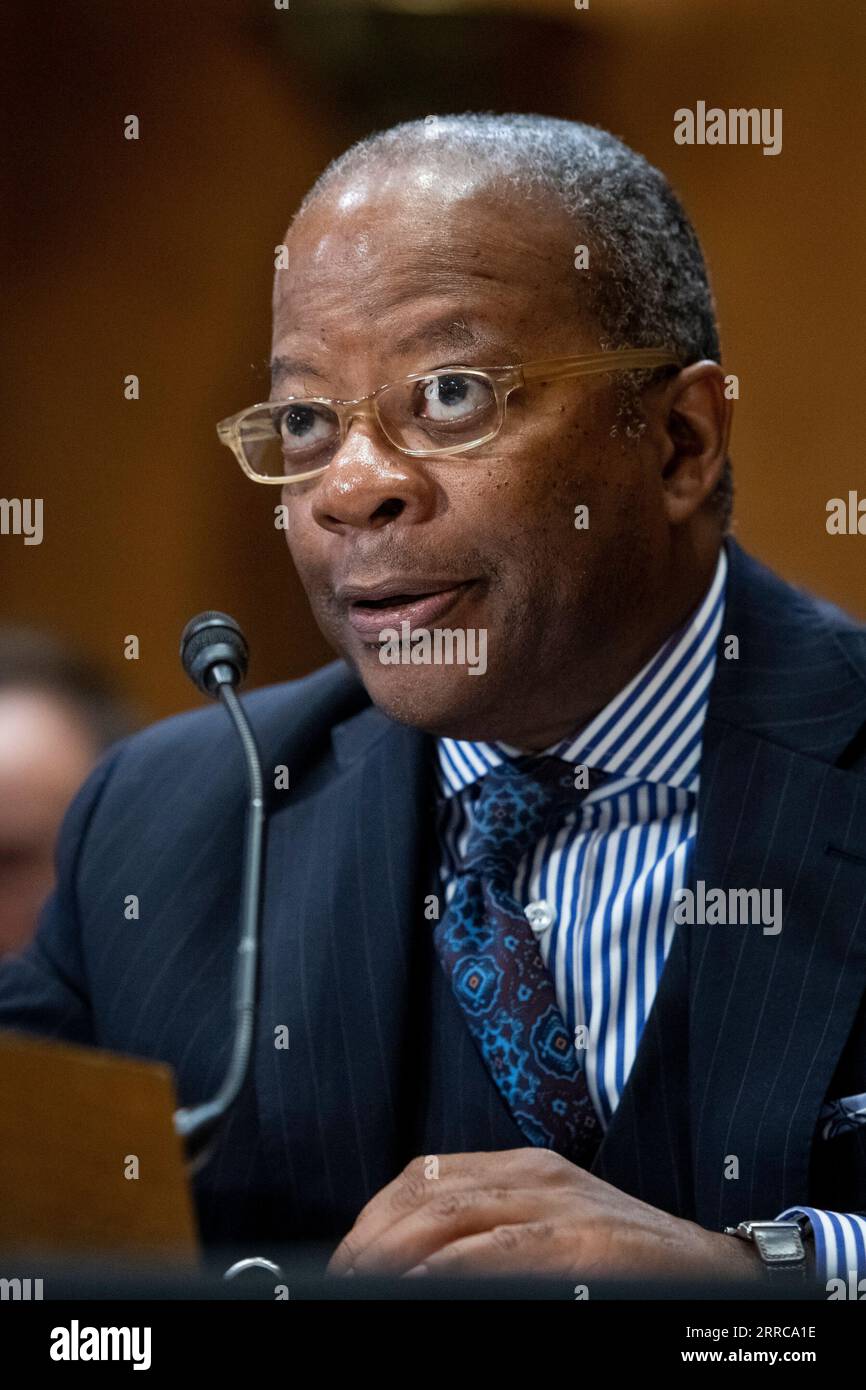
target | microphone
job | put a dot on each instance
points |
(214, 652)
(215, 655)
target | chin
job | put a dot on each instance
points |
(444, 701)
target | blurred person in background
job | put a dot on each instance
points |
(58, 714)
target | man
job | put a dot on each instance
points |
(504, 1050)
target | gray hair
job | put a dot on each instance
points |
(647, 284)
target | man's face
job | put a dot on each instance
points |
(405, 270)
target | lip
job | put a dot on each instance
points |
(419, 610)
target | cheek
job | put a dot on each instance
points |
(305, 548)
(564, 501)
(534, 487)
(297, 523)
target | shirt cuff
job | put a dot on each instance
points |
(840, 1241)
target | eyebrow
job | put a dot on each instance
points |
(449, 334)
(292, 366)
(444, 333)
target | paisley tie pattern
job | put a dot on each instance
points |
(492, 958)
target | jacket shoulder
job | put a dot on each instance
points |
(768, 601)
(800, 676)
(296, 715)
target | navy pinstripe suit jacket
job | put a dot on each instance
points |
(748, 1034)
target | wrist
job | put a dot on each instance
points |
(742, 1260)
(781, 1249)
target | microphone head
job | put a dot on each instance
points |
(214, 652)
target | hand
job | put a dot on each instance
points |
(528, 1210)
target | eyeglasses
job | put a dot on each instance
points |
(446, 411)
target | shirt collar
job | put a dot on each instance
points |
(652, 730)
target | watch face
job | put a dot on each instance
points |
(778, 1244)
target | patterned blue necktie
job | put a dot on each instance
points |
(491, 956)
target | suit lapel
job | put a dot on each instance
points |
(770, 1013)
(718, 1116)
(344, 896)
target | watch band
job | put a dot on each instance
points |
(779, 1245)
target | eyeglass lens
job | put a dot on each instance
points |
(438, 412)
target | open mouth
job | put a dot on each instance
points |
(391, 600)
(370, 616)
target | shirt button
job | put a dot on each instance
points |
(540, 916)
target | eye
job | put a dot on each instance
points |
(452, 396)
(303, 424)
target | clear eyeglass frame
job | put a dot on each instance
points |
(502, 381)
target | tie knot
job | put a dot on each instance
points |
(518, 802)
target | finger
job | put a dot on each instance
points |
(451, 1215)
(527, 1247)
(422, 1180)
(399, 1202)
(460, 1214)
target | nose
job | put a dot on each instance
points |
(368, 484)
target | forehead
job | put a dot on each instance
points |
(390, 247)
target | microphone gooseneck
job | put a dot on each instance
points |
(215, 656)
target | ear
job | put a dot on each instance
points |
(695, 420)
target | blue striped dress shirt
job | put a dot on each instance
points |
(600, 889)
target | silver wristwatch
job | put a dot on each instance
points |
(779, 1244)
